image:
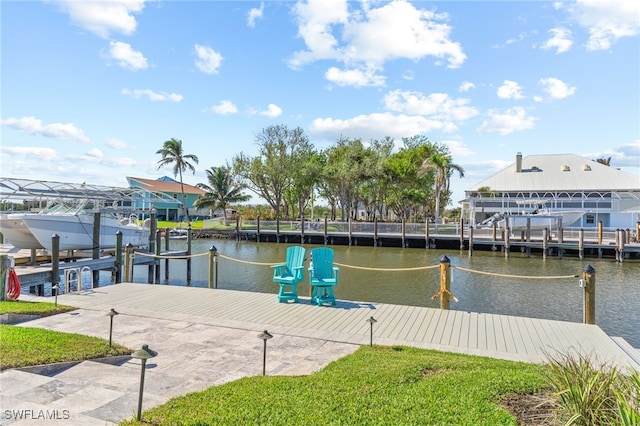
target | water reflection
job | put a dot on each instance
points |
(617, 285)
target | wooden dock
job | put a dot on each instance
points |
(498, 336)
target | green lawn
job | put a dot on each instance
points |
(374, 386)
(33, 308)
(25, 346)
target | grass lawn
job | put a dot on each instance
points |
(33, 308)
(24, 346)
(374, 386)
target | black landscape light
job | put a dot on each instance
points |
(371, 321)
(142, 354)
(112, 313)
(265, 335)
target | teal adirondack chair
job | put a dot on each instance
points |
(323, 276)
(289, 274)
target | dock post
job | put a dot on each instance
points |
(258, 228)
(156, 261)
(589, 283)
(545, 243)
(189, 234)
(445, 282)
(55, 266)
(237, 227)
(213, 267)
(494, 235)
(470, 241)
(349, 229)
(620, 238)
(302, 230)
(461, 223)
(96, 248)
(426, 232)
(152, 246)
(507, 243)
(560, 238)
(325, 230)
(581, 243)
(128, 263)
(5, 264)
(599, 232)
(375, 231)
(403, 227)
(166, 261)
(277, 227)
(118, 262)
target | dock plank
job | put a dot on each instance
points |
(515, 338)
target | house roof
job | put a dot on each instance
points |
(557, 173)
(163, 185)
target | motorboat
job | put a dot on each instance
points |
(74, 224)
(14, 229)
(537, 216)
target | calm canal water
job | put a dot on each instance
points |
(617, 285)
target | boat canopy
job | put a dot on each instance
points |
(39, 191)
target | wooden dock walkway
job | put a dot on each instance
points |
(498, 336)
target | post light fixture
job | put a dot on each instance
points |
(265, 335)
(371, 321)
(143, 355)
(55, 290)
(112, 313)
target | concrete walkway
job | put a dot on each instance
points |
(208, 337)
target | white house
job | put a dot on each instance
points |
(561, 182)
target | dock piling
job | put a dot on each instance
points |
(589, 283)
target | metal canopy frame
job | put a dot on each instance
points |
(17, 190)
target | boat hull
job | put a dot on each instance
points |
(16, 231)
(76, 231)
(541, 221)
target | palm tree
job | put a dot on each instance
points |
(221, 191)
(172, 153)
(442, 165)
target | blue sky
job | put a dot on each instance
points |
(91, 90)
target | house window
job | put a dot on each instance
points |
(591, 219)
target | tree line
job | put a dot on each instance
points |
(289, 172)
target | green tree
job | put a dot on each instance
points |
(271, 174)
(441, 164)
(173, 154)
(221, 191)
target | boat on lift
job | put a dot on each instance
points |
(74, 224)
(535, 215)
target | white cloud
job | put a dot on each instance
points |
(209, 61)
(457, 148)
(626, 155)
(512, 120)
(116, 144)
(607, 20)
(35, 152)
(126, 56)
(105, 16)
(510, 90)
(224, 107)
(95, 153)
(255, 13)
(153, 96)
(272, 111)
(466, 86)
(370, 36)
(55, 130)
(437, 105)
(377, 126)
(561, 40)
(354, 77)
(555, 88)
